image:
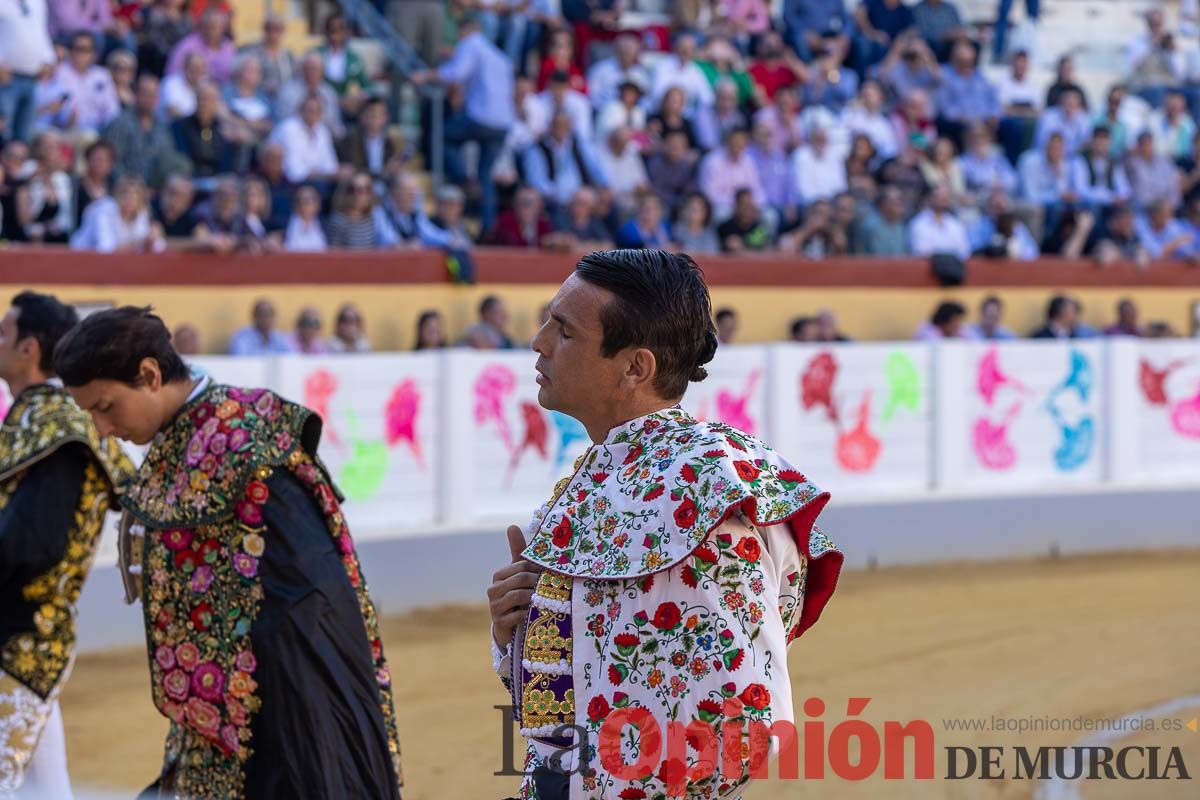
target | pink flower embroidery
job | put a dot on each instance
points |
(165, 657)
(245, 564)
(176, 684)
(204, 717)
(208, 682)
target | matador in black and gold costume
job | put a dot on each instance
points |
(57, 480)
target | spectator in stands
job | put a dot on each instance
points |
(173, 209)
(774, 170)
(1067, 118)
(577, 227)
(489, 333)
(693, 232)
(93, 17)
(431, 331)
(25, 51)
(1000, 233)
(343, 68)
(879, 23)
(354, 224)
(866, 116)
(783, 117)
(727, 170)
(1062, 317)
(559, 96)
(712, 124)
(777, 67)
(211, 40)
(726, 320)
(15, 169)
(402, 215)
(990, 327)
(487, 77)
(307, 337)
(448, 219)
(89, 98)
(910, 66)
(305, 233)
(965, 97)
(671, 169)
(51, 195)
(307, 145)
(914, 123)
(525, 224)
(259, 232)
(745, 230)
(984, 168)
(311, 81)
(680, 70)
(122, 67)
(1161, 67)
(143, 145)
(120, 223)
(625, 111)
(625, 170)
(1163, 236)
(936, 229)
(1064, 81)
(260, 338)
(220, 227)
(1103, 178)
(818, 170)
(829, 84)
(722, 64)
(811, 25)
(1127, 320)
(939, 24)
(1020, 106)
(560, 58)
(1069, 236)
(1114, 119)
(96, 181)
(804, 329)
(277, 62)
(1173, 128)
(647, 228)
(1119, 240)
(348, 332)
(270, 162)
(186, 339)
(421, 23)
(201, 137)
(164, 26)
(670, 118)
(367, 146)
(1152, 176)
(940, 167)
(946, 322)
(177, 95)
(884, 231)
(247, 105)
(827, 327)
(861, 164)
(815, 235)
(562, 162)
(607, 77)
(1050, 181)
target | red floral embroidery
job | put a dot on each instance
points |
(562, 533)
(653, 493)
(687, 473)
(756, 696)
(598, 708)
(667, 616)
(791, 476)
(634, 454)
(686, 513)
(748, 548)
(745, 470)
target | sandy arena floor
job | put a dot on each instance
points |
(1098, 636)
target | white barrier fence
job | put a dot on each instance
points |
(421, 442)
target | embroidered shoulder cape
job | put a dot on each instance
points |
(42, 420)
(258, 622)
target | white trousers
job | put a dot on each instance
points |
(33, 750)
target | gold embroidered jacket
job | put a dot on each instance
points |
(57, 480)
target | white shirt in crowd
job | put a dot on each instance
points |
(176, 97)
(1010, 91)
(25, 45)
(575, 104)
(91, 95)
(626, 173)
(304, 236)
(604, 80)
(668, 74)
(105, 231)
(817, 176)
(306, 152)
(930, 233)
(875, 126)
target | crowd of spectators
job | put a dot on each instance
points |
(492, 328)
(837, 128)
